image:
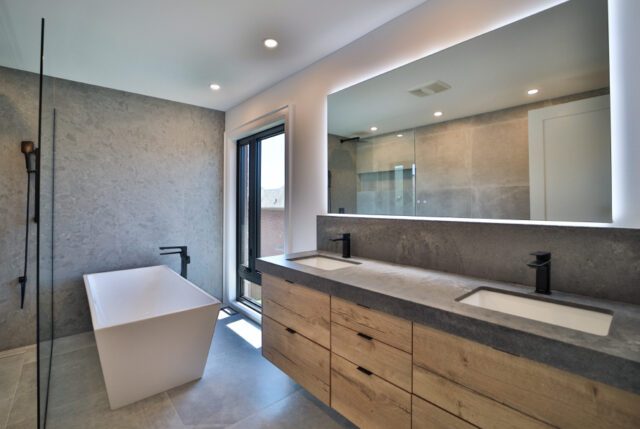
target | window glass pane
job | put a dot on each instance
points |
(272, 196)
(252, 292)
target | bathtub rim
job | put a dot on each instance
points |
(99, 327)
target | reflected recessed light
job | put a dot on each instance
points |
(270, 43)
(533, 91)
(374, 128)
(399, 135)
(437, 114)
(214, 86)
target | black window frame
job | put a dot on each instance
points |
(250, 273)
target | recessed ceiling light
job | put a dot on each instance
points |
(214, 86)
(270, 43)
(437, 114)
(399, 135)
(374, 128)
(533, 91)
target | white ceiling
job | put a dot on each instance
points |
(173, 49)
(560, 51)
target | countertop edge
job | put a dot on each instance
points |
(608, 369)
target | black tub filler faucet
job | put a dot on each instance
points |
(185, 259)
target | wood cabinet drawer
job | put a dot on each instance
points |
(305, 310)
(425, 415)
(468, 405)
(385, 361)
(308, 363)
(383, 327)
(366, 399)
(545, 393)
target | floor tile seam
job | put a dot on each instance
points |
(15, 394)
(296, 391)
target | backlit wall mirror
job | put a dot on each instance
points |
(513, 124)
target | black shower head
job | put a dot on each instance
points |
(350, 139)
(28, 149)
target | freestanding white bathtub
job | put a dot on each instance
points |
(153, 329)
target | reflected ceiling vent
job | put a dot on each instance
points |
(430, 88)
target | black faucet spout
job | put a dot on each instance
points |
(542, 264)
(346, 244)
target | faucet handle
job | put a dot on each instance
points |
(180, 249)
(345, 236)
(542, 256)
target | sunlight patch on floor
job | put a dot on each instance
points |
(247, 331)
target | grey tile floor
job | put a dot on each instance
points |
(239, 390)
(18, 404)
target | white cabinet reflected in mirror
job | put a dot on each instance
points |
(514, 124)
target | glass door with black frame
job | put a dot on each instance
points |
(261, 202)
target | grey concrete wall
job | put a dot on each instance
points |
(18, 121)
(474, 167)
(598, 262)
(478, 167)
(132, 173)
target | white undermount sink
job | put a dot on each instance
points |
(323, 262)
(592, 321)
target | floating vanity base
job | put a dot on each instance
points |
(380, 371)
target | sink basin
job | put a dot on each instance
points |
(324, 262)
(592, 321)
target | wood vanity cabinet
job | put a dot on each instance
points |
(490, 388)
(370, 366)
(304, 310)
(366, 399)
(296, 333)
(381, 371)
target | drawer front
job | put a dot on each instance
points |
(468, 405)
(305, 310)
(303, 360)
(367, 400)
(385, 361)
(425, 415)
(383, 327)
(545, 393)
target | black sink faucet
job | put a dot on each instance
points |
(185, 259)
(542, 264)
(346, 244)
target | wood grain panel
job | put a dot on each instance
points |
(548, 394)
(468, 405)
(425, 415)
(367, 400)
(383, 327)
(308, 363)
(305, 310)
(394, 365)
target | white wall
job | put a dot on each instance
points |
(431, 27)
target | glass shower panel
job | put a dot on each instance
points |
(44, 217)
(385, 167)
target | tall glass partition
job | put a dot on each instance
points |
(44, 216)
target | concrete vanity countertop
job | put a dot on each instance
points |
(429, 297)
